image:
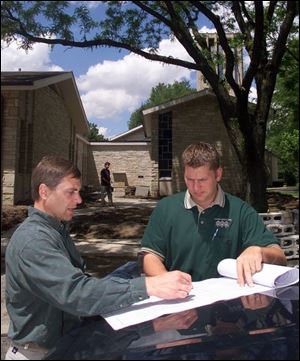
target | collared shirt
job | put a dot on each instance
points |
(195, 242)
(219, 200)
(47, 290)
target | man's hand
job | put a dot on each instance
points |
(248, 263)
(256, 301)
(176, 321)
(169, 285)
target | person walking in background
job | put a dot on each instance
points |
(48, 291)
(106, 186)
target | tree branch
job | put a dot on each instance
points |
(258, 48)
(110, 43)
(224, 44)
(272, 67)
(154, 13)
(191, 23)
(271, 9)
(279, 48)
(245, 11)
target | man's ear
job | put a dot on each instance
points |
(43, 191)
(219, 173)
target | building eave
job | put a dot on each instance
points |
(63, 81)
(128, 132)
(120, 143)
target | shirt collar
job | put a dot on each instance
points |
(55, 223)
(219, 200)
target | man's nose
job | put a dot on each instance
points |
(78, 198)
(197, 185)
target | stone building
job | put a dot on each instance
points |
(130, 164)
(176, 124)
(149, 155)
(214, 47)
(41, 113)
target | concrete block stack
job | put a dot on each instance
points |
(285, 226)
(119, 189)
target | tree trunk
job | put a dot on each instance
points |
(255, 181)
(249, 143)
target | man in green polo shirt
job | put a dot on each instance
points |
(193, 231)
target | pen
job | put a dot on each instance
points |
(215, 234)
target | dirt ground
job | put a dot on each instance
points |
(109, 222)
(122, 223)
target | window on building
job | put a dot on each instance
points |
(165, 144)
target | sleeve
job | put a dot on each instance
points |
(155, 236)
(254, 231)
(48, 273)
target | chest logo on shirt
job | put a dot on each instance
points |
(223, 222)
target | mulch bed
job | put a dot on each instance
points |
(122, 222)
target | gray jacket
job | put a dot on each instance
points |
(47, 290)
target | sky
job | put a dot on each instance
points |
(112, 83)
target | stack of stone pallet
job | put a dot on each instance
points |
(119, 189)
(285, 226)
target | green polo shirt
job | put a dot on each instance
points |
(196, 241)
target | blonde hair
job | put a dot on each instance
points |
(200, 154)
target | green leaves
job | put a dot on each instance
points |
(283, 130)
(160, 94)
(93, 135)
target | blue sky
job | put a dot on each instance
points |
(112, 83)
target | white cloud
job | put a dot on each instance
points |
(108, 89)
(112, 87)
(102, 131)
(89, 4)
(205, 30)
(37, 59)
(102, 104)
(253, 94)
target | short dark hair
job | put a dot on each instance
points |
(200, 154)
(50, 171)
(106, 163)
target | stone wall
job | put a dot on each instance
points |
(9, 144)
(195, 121)
(53, 130)
(82, 157)
(130, 164)
(35, 123)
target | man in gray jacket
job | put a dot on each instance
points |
(47, 290)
